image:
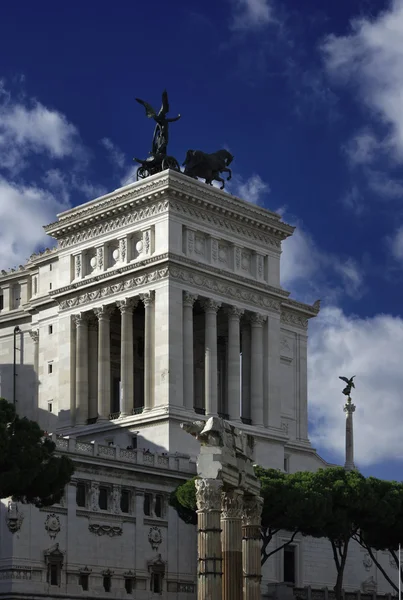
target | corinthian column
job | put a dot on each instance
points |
(104, 361)
(211, 400)
(231, 539)
(234, 364)
(251, 565)
(148, 301)
(349, 409)
(188, 361)
(92, 368)
(126, 355)
(208, 499)
(257, 369)
(81, 322)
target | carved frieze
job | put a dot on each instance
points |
(104, 529)
(295, 319)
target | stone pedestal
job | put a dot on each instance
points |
(208, 498)
(251, 519)
(231, 543)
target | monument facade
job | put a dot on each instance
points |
(160, 304)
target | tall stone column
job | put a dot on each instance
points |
(234, 363)
(251, 566)
(210, 357)
(302, 358)
(208, 499)
(34, 333)
(126, 308)
(104, 361)
(188, 358)
(257, 369)
(349, 409)
(93, 367)
(81, 322)
(246, 364)
(231, 542)
(148, 301)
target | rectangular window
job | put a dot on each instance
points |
(50, 406)
(50, 329)
(50, 286)
(50, 267)
(81, 494)
(286, 464)
(1, 301)
(84, 581)
(54, 574)
(107, 583)
(156, 583)
(50, 368)
(129, 585)
(147, 504)
(134, 442)
(103, 498)
(289, 564)
(159, 505)
(125, 501)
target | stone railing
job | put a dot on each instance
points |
(173, 462)
(308, 593)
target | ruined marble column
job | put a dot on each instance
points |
(148, 301)
(81, 322)
(231, 542)
(208, 498)
(234, 363)
(126, 308)
(211, 392)
(104, 361)
(349, 409)
(188, 358)
(251, 519)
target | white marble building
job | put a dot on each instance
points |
(160, 303)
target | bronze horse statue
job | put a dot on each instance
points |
(208, 166)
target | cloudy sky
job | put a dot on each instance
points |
(307, 96)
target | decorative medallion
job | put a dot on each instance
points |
(14, 518)
(155, 537)
(52, 525)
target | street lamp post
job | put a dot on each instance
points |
(16, 330)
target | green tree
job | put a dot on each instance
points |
(29, 471)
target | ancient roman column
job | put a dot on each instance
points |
(148, 301)
(349, 409)
(34, 333)
(246, 364)
(93, 367)
(251, 519)
(81, 322)
(188, 359)
(257, 368)
(231, 543)
(210, 357)
(104, 361)
(208, 499)
(234, 363)
(126, 308)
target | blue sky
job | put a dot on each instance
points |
(308, 98)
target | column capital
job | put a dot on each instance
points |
(81, 319)
(210, 306)
(232, 504)
(104, 312)
(252, 510)
(189, 299)
(234, 312)
(349, 407)
(34, 333)
(147, 298)
(208, 494)
(127, 305)
(257, 319)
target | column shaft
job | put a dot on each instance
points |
(349, 409)
(188, 352)
(234, 364)
(81, 322)
(246, 364)
(93, 369)
(251, 565)
(302, 383)
(104, 361)
(211, 388)
(208, 498)
(126, 355)
(231, 540)
(257, 369)
(148, 301)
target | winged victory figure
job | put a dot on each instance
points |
(349, 386)
(160, 138)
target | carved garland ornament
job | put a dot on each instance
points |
(109, 530)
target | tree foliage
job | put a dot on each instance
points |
(29, 471)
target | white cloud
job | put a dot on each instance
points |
(23, 212)
(369, 58)
(251, 14)
(116, 156)
(252, 189)
(384, 185)
(362, 148)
